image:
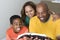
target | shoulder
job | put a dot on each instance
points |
(34, 18)
(57, 21)
(24, 27)
(9, 30)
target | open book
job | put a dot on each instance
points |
(41, 36)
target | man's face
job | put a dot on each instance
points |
(42, 13)
(17, 25)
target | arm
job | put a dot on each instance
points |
(7, 37)
(58, 31)
(58, 37)
(32, 26)
(26, 30)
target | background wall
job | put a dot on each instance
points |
(53, 6)
(7, 9)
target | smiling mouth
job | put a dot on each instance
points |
(18, 29)
(42, 18)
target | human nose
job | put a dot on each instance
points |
(40, 14)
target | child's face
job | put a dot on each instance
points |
(17, 24)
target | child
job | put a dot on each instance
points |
(16, 28)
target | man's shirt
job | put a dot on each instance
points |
(47, 28)
(11, 35)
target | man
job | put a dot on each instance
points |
(16, 28)
(42, 23)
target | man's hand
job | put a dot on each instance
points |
(58, 37)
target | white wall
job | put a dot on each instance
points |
(7, 9)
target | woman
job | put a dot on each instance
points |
(27, 12)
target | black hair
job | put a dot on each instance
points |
(13, 18)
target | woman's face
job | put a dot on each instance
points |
(29, 11)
